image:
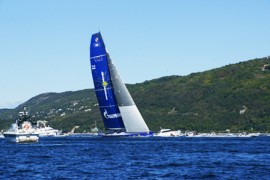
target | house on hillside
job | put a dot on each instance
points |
(266, 67)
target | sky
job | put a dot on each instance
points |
(44, 45)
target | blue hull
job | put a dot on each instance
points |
(143, 134)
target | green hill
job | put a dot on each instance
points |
(205, 101)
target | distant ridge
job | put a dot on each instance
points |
(235, 97)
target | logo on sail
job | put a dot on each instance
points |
(111, 116)
(96, 44)
(104, 84)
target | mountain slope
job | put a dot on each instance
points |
(210, 100)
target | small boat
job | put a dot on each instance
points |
(120, 114)
(244, 134)
(169, 133)
(44, 130)
(22, 130)
(84, 134)
(191, 134)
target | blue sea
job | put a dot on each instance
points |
(137, 158)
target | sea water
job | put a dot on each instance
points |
(137, 158)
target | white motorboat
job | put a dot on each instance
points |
(169, 133)
(25, 133)
(244, 134)
(44, 130)
(211, 134)
(22, 130)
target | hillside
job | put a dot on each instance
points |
(235, 97)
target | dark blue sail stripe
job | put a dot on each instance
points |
(103, 86)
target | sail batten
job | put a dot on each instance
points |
(98, 56)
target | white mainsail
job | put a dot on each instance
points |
(131, 116)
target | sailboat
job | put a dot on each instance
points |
(120, 114)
